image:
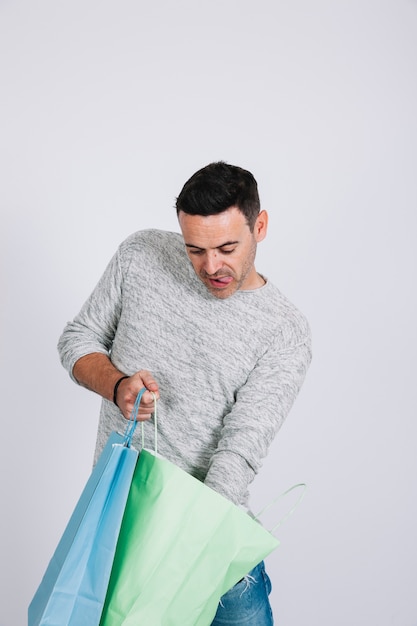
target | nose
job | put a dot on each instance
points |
(212, 262)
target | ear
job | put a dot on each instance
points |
(261, 226)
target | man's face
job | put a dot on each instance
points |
(222, 249)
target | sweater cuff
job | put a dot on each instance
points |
(230, 475)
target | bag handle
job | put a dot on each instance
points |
(302, 486)
(133, 420)
(155, 420)
(131, 427)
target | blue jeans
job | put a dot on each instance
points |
(247, 602)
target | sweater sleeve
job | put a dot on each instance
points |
(261, 407)
(94, 328)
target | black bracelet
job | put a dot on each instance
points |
(116, 387)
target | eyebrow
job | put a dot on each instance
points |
(223, 245)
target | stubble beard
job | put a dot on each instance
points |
(236, 284)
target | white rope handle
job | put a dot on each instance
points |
(302, 486)
(133, 420)
(155, 419)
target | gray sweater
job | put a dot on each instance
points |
(228, 370)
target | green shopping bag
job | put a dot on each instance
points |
(180, 548)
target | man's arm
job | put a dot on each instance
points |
(86, 342)
(96, 372)
(261, 407)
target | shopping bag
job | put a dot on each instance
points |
(74, 586)
(181, 547)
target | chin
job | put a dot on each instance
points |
(222, 294)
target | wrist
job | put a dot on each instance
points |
(116, 388)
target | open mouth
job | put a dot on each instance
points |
(221, 282)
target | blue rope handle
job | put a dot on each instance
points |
(133, 420)
(291, 511)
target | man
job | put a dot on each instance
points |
(192, 320)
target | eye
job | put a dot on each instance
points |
(196, 252)
(228, 250)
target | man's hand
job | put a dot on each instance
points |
(128, 391)
(95, 371)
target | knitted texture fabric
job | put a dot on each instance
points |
(228, 369)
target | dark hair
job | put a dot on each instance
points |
(217, 187)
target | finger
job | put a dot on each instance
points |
(148, 400)
(143, 417)
(148, 380)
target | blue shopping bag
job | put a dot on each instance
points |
(73, 589)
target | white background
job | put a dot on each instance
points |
(106, 108)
